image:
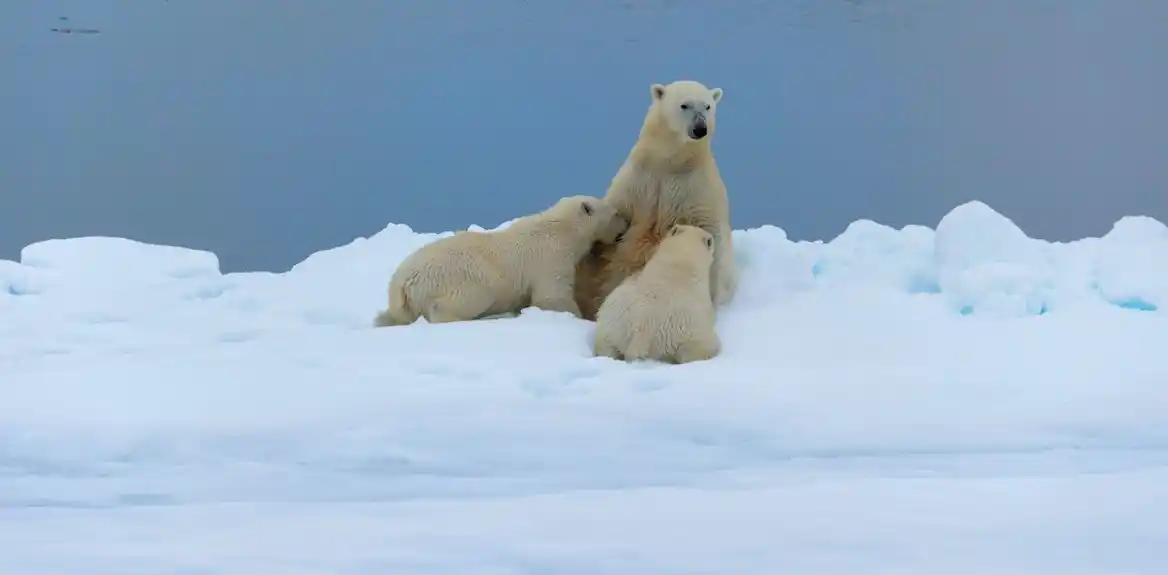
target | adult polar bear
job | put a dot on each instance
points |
(670, 177)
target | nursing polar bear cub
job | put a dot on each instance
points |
(663, 312)
(670, 177)
(474, 274)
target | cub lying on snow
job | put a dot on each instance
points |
(663, 312)
(532, 262)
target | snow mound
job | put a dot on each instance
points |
(139, 378)
(977, 262)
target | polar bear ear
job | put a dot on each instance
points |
(657, 91)
(587, 208)
(716, 94)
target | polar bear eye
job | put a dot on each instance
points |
(709, 243)
(587, 207)
(707, 106)
(685, 106)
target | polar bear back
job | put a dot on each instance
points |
(663, 312)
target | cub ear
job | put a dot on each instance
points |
(716, 94)
(657, 91)
(587, 208)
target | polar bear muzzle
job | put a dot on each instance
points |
(696, 117)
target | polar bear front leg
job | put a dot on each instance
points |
(724, 272)
(555, 295)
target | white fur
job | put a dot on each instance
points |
(663, 312)
(474, 274)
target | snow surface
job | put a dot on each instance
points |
(964, 400)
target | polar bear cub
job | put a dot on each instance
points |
(664, 311)
(474, 274)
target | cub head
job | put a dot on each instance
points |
(597, 217)
(692, 237)
(687, 108)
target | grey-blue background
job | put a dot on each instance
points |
(267, 129)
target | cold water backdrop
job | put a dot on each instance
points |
(265, 130)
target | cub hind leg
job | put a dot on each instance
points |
(465, 306)
(604, 347)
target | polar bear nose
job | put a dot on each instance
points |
(698, 131)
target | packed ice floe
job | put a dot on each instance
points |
(879, 394)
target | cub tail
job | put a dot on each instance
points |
(399, 312)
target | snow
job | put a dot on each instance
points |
(964, 400)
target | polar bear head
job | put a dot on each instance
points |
(692, 235)
(687, 108)
(595, 218)
(689, 246)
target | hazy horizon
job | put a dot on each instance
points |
(267, 130)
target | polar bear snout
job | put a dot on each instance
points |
(698, 129)
(615, 230)
(621, 223)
